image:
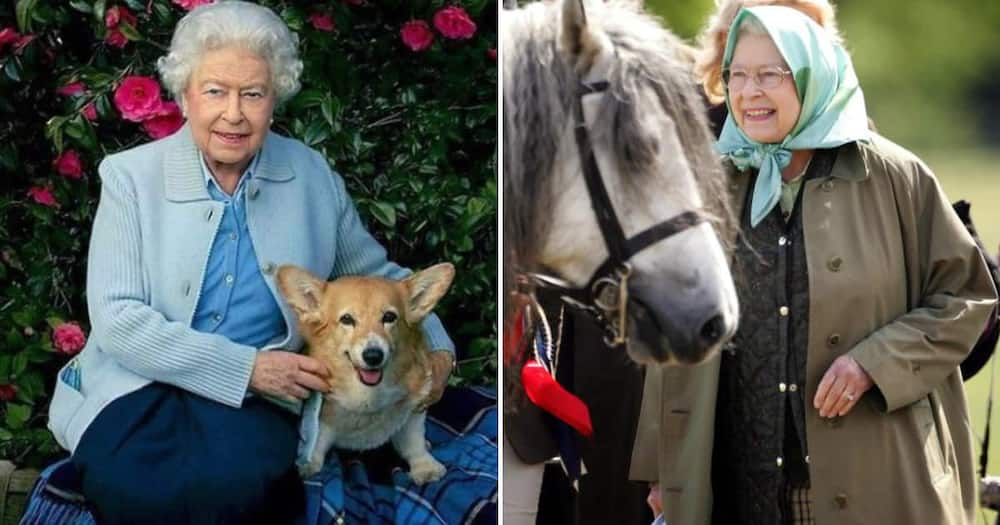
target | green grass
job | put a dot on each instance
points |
(974, 175)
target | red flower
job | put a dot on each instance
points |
(453, 22)
(8, 35)
(138, 98)
(72, 90)
(491, 53)
(8, 392)
(89, 111)
(417, 35)
(165, 122)
(321, 21)
(43, 196)
(68, 338)
(191, 4)
(68, 165)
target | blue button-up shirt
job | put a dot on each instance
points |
(235, 301)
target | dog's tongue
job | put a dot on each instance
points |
(370, 377)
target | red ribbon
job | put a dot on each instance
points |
(550, 396)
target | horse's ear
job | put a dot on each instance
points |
(581, 39)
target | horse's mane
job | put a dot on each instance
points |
(653, 68)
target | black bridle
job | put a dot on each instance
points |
(605, 297)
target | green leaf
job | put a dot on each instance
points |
(99, 9)
(384, 213)
(24, 12)
(17, 415)
(315, 133)
(130, 32)
(19, 364)
(12, 71)
(82, 6)
(5, 435)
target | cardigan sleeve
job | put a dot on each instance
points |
(358, 253)
(953, 296)
(132, 332)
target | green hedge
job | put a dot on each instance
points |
(412, 131)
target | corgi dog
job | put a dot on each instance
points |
(367, 331)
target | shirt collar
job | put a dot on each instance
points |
(247, 174)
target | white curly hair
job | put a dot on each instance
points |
(232, 23)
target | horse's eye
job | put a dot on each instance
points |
(347, 320)
(389, 317)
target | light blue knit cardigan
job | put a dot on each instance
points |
(152, 234)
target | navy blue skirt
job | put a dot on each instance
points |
(164, 455)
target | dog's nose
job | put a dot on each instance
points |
(373, 356)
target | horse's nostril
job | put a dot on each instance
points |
(712, 330)
(372, 356)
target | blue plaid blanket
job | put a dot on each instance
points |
(462, 430)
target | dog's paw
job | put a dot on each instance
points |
(310, 469)
(426, 469)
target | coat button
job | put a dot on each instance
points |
(840, 500)
(782, 241)
(833, 340)
(827, 186)
(793, 387)
(268, 268)
(783, 311)
(807, 460)
(834, 264)
(779, 462)
(782, 387)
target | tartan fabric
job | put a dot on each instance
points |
(800, 506)
(462, 430)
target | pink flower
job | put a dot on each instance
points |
(491, 53)
(118, 14)
(43, 196)
(89, 111)
(116, 38)
(453, 22)
(417, 35)
(165, 122)
(138, 98)
(68, 338)
(191, 4)
(8, 35)
(321, 21)
(8, 392)
(69, 165)
(72, 90)
(23, 42)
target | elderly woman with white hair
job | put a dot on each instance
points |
(173, 412)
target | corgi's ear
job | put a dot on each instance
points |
(301, 289)
(425, 288)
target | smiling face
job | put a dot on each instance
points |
(229, 101)
(765, 115)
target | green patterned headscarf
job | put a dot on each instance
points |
(833, 107)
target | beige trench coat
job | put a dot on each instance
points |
(896, 282)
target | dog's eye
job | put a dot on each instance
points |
(347, 320)
(389, 317)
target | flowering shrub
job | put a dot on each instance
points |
(399, 95)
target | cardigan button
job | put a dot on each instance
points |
(840, 500)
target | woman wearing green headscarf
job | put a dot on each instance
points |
(840, 400)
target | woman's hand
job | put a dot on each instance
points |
(441, 363)
(842, 386)
(287, 375)
(653, 499)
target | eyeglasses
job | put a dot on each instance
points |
(766, 77)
